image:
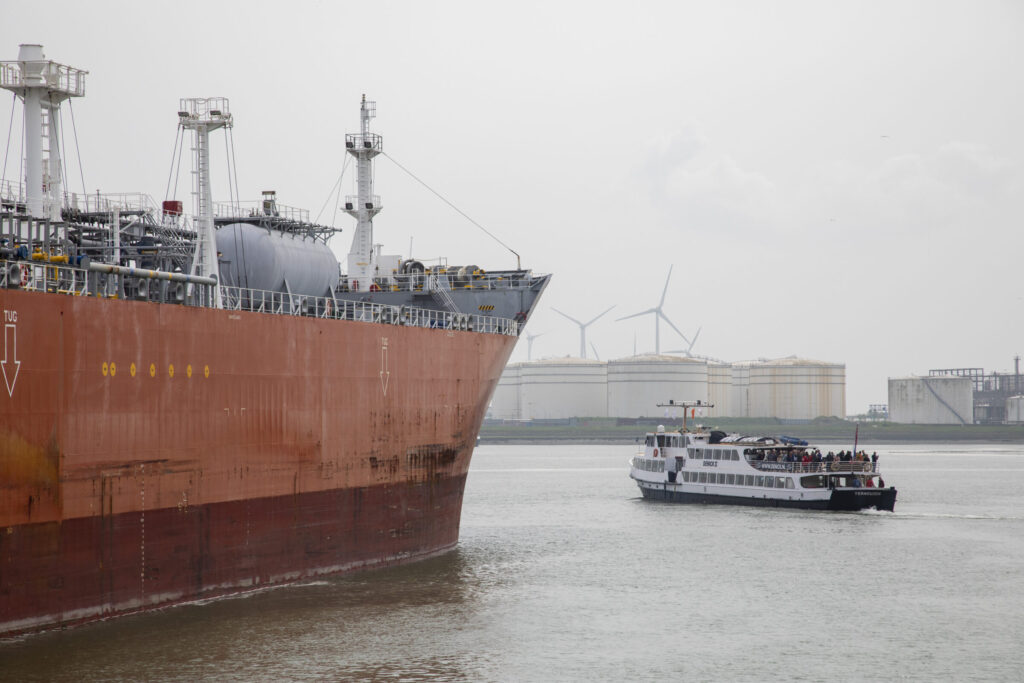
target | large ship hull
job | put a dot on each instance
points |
(153, 454)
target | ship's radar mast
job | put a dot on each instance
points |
(42, 85)
(362, 258)
(201, 115)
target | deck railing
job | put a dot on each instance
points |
(814, 467)
(57, 277)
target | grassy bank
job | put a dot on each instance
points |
(825, 430)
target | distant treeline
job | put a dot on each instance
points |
(823, 429)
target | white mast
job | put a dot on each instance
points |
(362, 258)
(43, 85)
(201, 115)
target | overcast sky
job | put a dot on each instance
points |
(841, 181)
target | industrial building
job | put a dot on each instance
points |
(936, 399)
(991, 397)
(638, 383)
(552, 389)
(788, 388)
(796, 389)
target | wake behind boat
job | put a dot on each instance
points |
(710, 466)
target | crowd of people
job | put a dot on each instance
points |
(812, 456)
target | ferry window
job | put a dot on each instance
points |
(700, 454)
(721, 478)
(750, 480)
(718, 455)
(730, 479)
(703, 477)
(759, 481)
(769, 482)
(650, 440)
(813, 482)
(661, 440)
(735, 455)
(780, 482)
(789, 483)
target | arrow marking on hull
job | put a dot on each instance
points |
(10, 355)
(385, 374)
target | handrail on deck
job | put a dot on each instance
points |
(56, 277)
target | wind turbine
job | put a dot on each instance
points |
(688, 351)
(659, 315)
(583, 328)
(529, 344)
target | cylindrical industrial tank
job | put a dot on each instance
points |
(638, 383)
(720, 389)
(739, 403)
(938, 399)
(797, 389)
(1015, 410)
(563, 387)
(257, 258)
(505, 403)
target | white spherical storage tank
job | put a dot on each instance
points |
(505, 403)
(797, 389)
(563, 387)
(1015, 410)
(720, 390)
(936, 400)
(636, 385)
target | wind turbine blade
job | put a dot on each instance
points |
(594, 349)
(665, 291)
(595, 319)
(665, 318)
(566, 315)
(694, 340)
(636, 315)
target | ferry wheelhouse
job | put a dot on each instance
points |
(710, 466)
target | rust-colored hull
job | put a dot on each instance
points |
(153, 454)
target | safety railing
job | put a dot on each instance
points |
(326, 307)
(256, 208)
(54, 275)
(815, 467)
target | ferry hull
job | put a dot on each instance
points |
(153, 454)
(880, 499)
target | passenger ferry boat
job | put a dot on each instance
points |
(710, 466)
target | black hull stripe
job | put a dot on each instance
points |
(884, 499)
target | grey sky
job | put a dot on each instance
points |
(841, 181)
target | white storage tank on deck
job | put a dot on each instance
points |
(563, 387)
(1015, 410)
(638, 383)
(796, 389)
(940, 399)
(505, 403)
(720, 389)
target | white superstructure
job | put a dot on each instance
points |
(42, 85)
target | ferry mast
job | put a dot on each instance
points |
(362, 259)
(42, 85)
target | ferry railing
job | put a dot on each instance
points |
(815, 467)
